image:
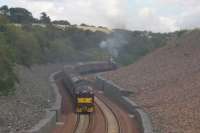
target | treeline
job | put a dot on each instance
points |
(28, 44)
(23, 16)
(139, 43)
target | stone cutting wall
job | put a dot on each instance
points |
(53, 114)
(114, 92)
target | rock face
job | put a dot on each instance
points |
(166, 83)
(33, 95)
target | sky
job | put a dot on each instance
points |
(149, 15)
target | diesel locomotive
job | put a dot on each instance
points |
(81, 92)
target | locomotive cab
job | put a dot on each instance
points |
(84, 100)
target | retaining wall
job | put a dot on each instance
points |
(115, 93)
(53, 114)
(58, 99)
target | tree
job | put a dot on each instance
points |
(27, 49)
(61, 22)
(44, 18)
(3, 22)
(20, 15)
(84, 25)
(4, 10)
(7, 78)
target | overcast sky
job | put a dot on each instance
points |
(154, 15)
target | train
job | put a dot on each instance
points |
(79, 88)
(95, 66)
(81, 92)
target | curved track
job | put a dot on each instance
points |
(112, 121)
(86, 123)
(126, 123)
(82, 124)
(100, 121)
(107, 118)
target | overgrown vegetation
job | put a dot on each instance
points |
(140, 43)
(26, 45)
(26, 41)
(7, 60)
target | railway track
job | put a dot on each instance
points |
(112, 121)
(105, 119)
(85, 122)
(82, 123)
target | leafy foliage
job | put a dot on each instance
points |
(137, 44)
(44, 18)
(61, 22)
(20, 15)
(7, 60)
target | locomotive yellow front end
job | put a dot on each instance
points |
(85, 101)
(85, 104)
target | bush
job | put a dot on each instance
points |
(7, 78)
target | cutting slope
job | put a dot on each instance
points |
(166, 83)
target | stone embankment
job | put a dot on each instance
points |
(32, 98)
(166, 84)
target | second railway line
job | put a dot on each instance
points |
(112, 121)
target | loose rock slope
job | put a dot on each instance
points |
(166, 84)
(33, 95)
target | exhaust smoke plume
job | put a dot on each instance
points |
(113, 44)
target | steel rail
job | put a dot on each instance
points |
(119, 130)
(105, 119)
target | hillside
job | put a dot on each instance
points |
(27, 41)
(166, 84)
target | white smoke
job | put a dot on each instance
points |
(110, 46)
(113, 44)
